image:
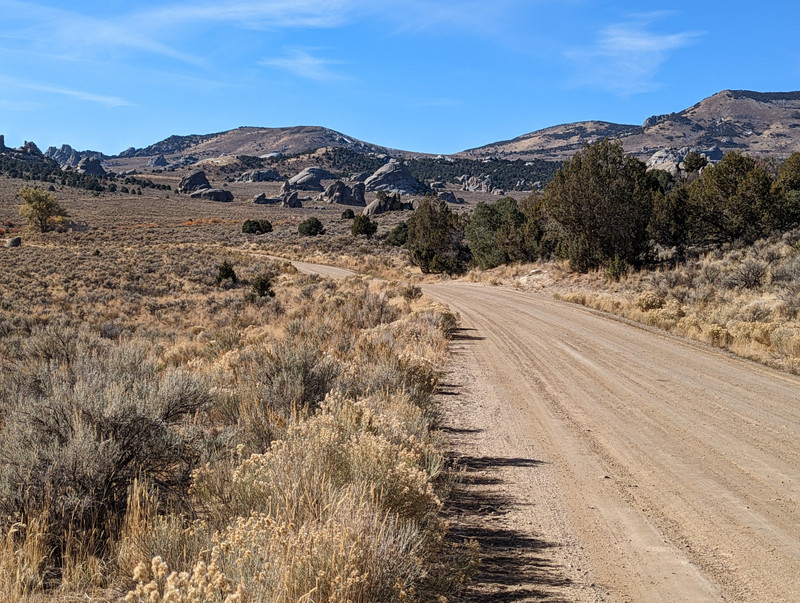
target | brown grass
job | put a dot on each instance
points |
(283, 445)
(746, 300)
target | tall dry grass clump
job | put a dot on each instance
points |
(746, 299)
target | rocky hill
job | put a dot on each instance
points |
(257, 142)
(756, 123)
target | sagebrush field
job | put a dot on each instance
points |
(172, 430)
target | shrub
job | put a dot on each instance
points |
(85, 418)
(649, 300)
(311, 227)
(750, 274)
(398, 236)
(257, 227)
(348, 214)
(225, 272)
(363, 225)
(616, 268)
(435, 238)
(262, 286)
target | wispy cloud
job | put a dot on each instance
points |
(109, 101)
(152, 30)
(272, 14)
(627, 57)
(302, 64)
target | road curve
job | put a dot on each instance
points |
(666, 471)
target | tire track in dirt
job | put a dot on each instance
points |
(654, 469)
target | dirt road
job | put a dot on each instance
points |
(606, 462)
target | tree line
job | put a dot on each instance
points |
(605, 209)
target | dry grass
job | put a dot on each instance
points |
(746, 300)
(161, 433)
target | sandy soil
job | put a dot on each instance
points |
(606, 462)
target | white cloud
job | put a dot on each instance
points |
(273, 14)
(150, 30)
(109, 101)
(302, 64)
(626, 57)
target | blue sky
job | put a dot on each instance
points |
(435, 77)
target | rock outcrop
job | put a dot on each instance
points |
(91, 166)
(213, 194)
(394, 177)
(449, 197)
(386, 203)
(476, 184)
(194, 182)
(310, 179)
(262, 199)
(66, 156)
(260, 176)
(676, 156)
(340, 193)
(292, 200)
(30, 148)
(157, 162)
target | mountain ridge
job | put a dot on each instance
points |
(757, 123)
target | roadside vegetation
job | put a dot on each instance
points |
(182, 420)
(182, 414)
(713, 255)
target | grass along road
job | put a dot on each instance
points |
(626, 464)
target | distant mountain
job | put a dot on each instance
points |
(258, 142)
(755, 123)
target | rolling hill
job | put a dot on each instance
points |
(756, 123)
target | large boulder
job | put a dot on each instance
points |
(14, 242)
(666, 159)
(262, 199)
(449, 197)
(310, 179)
(194, 182)
(213, 194)
(386, 203)
(292, 200)
(340, 193)
(476, 184)
(260, 176)
(157, 162)
(91, 166)
(394, 177)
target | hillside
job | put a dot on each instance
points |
(253, 141)
(752, 122)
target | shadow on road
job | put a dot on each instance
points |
(515, 564)
(460, 334)
(509, 558)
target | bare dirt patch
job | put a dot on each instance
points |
(607, 462)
